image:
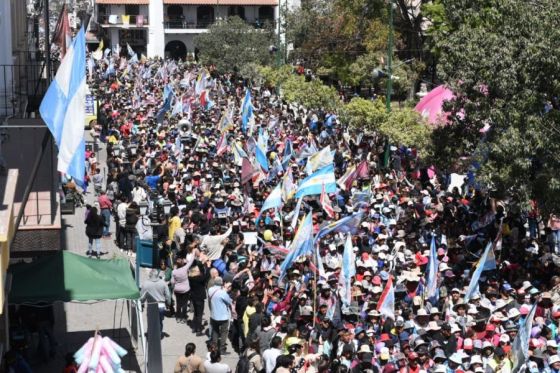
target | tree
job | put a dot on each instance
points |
(501, 60)
(232, 44)
(364, 114)
(312, 95)
(406, 127)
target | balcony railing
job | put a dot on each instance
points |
(22, 87)
(119, 20)
(180, 24)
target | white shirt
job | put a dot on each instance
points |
(216, 367)
(269, 357)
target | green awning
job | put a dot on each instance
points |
(66, 277)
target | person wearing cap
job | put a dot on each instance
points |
(554, 363)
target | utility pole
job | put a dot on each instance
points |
(390, 58)
(47, 41)
(279, 51)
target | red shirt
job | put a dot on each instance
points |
(104, 202)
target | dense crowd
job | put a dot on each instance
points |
(181, 147)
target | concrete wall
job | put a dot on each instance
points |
(187, 39)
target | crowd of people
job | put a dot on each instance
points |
(385, 285)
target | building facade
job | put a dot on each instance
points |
(168, 27)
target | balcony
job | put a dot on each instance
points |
(22, 87)
(120, 20)
(184, 25)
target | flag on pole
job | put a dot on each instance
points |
(260, 153)
(98, 53)
(319, 160)
(222, 145)
(246, 110)
(313, 184)
(247, 170)
(345, 182)
(288, 153)
(301, 245)
(326, 203)
(348, 224)
(288, 186)
(431, 283)
(473, 285)
(386, 303)
(273, 201)
(520, 345)
(201, 82)
(348, 269)
(296, 213)
(130, 51)
(238, 153)
(63, 109)
(62, 33)
(362, 171)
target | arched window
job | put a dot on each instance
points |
(176, 49)
(204, 16)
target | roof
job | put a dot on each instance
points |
(66, 277)
(135, 2)
(221, 2)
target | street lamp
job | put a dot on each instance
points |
(143, 205)
(167, 206)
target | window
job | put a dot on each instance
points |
(238, 11)
(132, 37)
(131, 9)
(204, 16)
(102, 9)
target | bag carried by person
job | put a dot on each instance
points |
(244, 363)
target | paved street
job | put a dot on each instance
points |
(80, 320)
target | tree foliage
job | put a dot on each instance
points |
(312, 95)
(406, 127)
(502, 61)
(401, 126)
(232, 44)
(364, 114)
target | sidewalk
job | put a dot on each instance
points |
(80, 320)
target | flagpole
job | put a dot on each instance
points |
(315, 290)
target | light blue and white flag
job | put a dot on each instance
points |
(273, 201)
(348, 269)
(473, 285)
(432, 280)
(131, 52)
(63, 109)
(301, 245)
(313, 184)
(520, 345)
(348, 224)
(246, 110)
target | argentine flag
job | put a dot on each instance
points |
(273, 201)
(63, 109)
(313, 184)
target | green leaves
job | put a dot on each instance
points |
(364, 114)
(401, 126)
(312, 95)
(232, 44)
(502, 61)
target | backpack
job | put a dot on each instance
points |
(244, 363)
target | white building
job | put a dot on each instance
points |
(168, 27)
